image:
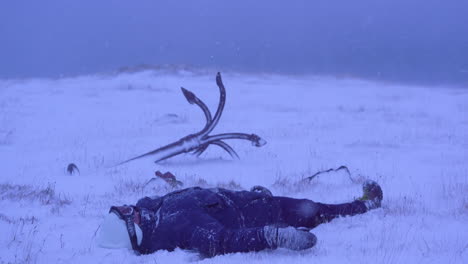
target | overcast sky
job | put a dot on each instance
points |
(401, 40)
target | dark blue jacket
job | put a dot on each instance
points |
(210, 221)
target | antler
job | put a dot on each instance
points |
(193, 99)
(200, 141)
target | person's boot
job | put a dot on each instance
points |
(372, 194)
(289, 237)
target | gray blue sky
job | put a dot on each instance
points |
(399, 40)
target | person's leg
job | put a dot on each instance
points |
(327, 212)
(296, 212)
(306, 213)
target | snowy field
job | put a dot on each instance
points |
(413, 140)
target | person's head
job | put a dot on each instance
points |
(118, 230)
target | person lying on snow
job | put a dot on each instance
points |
(219, 221)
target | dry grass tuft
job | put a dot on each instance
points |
(231, 185)
(6, 137)
(46, 196)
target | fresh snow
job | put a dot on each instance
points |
(410, 139)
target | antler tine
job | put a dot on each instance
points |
(222, 101)
(193, 99)
(227, 148)
(256, 140)
(200, 150)
(219, 143)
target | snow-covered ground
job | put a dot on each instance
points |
(412, 140)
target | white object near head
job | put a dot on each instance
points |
(113, 233)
